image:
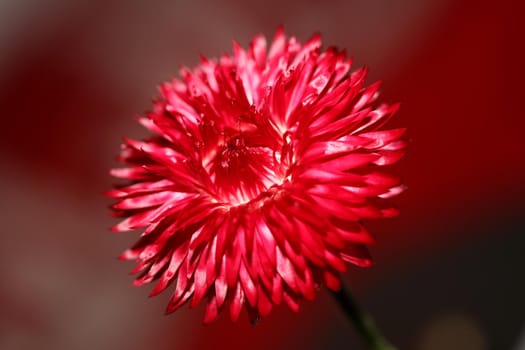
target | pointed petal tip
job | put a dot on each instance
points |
(159, 288)
(127, 255)
(376, 85)
(109, 193)
(203, 58)
(357, 261)
(363, 71)
(114, 229)
(365, 263)
(236, 46)
(257, 37)
(393, 108)
(138, 282)
(316, 37)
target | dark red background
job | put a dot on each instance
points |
(448, 271)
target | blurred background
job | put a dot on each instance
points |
(449, 271)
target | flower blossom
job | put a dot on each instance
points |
(261, 166)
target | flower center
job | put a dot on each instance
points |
(241, 172)
(243, 166)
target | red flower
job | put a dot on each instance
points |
(260, 170)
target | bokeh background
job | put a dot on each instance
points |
(449, 271)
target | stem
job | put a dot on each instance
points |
(362, 321)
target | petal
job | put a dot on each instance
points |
(237, 302)
(248, 286)
(212, 310)
(332, 280)
(264, 305)
(221, 287)
(176, 261)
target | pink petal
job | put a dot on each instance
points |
(236, 303)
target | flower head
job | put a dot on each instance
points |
(261, 166)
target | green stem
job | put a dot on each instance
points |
(362, 321)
